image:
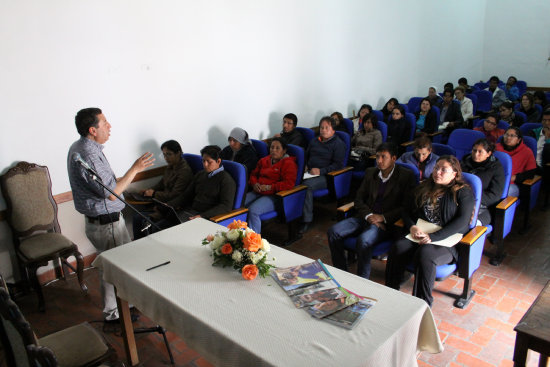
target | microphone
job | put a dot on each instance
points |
(78, 159)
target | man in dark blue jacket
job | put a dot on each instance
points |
(323, 155)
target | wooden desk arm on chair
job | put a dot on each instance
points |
(506, 202)
(471, 237)
(406, 144)
(531, 181)
(340, 171)
(291, 191)
(436, 133)
(233, 213)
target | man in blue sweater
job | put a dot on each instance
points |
(323, 155)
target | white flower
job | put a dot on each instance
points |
(217, 242)
(265, 245)
(232, 235)
(248, 230)
(255, 257)
(237, 256)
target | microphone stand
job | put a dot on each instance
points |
(98, 180)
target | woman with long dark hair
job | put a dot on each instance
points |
(364, 142)
(363, 111)
(388, 108)
(445, 200)
(527, 106)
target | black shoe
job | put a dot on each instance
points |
(133, 317)
(303, 228)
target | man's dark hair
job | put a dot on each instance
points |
(328, 119)
(494, 78)
(387, 147)
(292, 117)
(508, 105)
(449, 85)
(493, 115)
(423, 142)
(213, 151)
(282, 141)
(172, 146)
(463, 80)
(450, 91)
(85, 119)
(487, 145)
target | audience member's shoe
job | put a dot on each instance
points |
(134, 318)
(303, 228)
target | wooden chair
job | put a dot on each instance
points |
(79, 345)
(32, 216)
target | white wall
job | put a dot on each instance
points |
(192, 70)
(517, 41)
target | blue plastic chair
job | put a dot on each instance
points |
(462, 141)
(349, 126)
(307, 133)
(405, 107)
(379, 115)
(501, 124)
(442, 149)
(238, 173)
(528, 126)
(504, 211)
(473, 97)
(481, 85)
(522, 116)
(522, 86)
(537, 106)
(414, 103)
(383, 127)
(484, 100)
(291, 202)
(470, 249)
(261, 148)
(339, 182)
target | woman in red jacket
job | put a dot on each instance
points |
(274, 173)
(523, 160)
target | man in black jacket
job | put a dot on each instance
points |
(378, 205)
(450, 112)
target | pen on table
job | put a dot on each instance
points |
(159, 265)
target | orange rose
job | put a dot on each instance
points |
(227, 249)
(237, 224)
(250, 272)
(252, 242)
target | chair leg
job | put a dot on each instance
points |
(466, 296)
(80, 271)
(37, 287)
(497, 258)
(159, 329)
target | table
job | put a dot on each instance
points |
(233, 322)
(533, 330)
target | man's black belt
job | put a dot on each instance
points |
(104, 218)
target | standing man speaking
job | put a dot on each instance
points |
(105, 226)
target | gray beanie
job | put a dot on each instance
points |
(240, 135)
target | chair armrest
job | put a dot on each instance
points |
(340, 171)
(407, 143)
(547, 164)
(399, 223)
(473, 235)
(346, 207)
(374, 157)
(531, 181)
(291, 191)
(474, 117)
(234, 212)
(506, 202)
(436, 133)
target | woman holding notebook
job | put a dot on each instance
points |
(444, 200)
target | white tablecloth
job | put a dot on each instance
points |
(234, 322)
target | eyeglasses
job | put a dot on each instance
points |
(443, 169)
(510, 136)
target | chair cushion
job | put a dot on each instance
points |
(43, 244)
(76, 345)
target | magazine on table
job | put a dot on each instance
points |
(317, 296)
(350, 316)
(300, 275)
(315, 287)
(324, 309)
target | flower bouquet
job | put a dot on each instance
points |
(241, 248)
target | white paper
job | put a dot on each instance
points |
(428, 228)
(309, 175)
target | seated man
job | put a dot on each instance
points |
(323, 155)
(542, 134)
(210, 193)
(499, 96)
(289, 133)
(421, 157)
(378, 204)
(450, 114)
(490, 129)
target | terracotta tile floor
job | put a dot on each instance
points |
(480, 335)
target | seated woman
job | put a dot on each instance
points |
(540, 99)
(466, 104)
(523, 160)
(210, 193)
(434, 98)
(486, 166)
(388, 108)
(358, 121)
(240, 149)
(426, 119)
(422, 157)
(398, 127)
(275, 172)
(340, 124)
(527, 106)
(174, 182)
(364, 142)
(443, 199)
(490, 129)
(508, 115)
(511, 89)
